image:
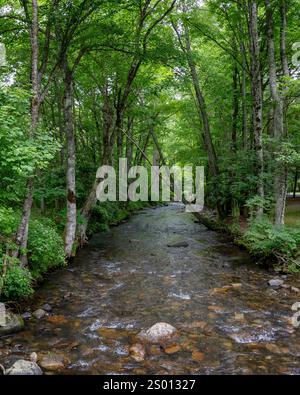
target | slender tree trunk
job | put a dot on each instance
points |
(140, 154)
(295, 183)
(21, 237)
(107, 114)
(117, 129)
(285, 71)
(241, 9)
(120, 144)
(244, 105)
(157, 146)
(59, 104)
(283, 56)
(70, 230)
(283, 27)
(129, 143)
(256, 87)
(235, 107)
(201, 107)
(280, 179)
(212, 158)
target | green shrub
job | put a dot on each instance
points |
(17, 282)
(109, 213)
(264, 239)
(45, 247)
(256, 202)
(8, 221)
(105, 214)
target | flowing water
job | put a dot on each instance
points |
(230, 320)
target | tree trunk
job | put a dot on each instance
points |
(284, 61)
(283, 27)
(280, 179)
(21, 237)
(235, 107)
(140, 154)
(295, 183)
(201, 107)
(157, 146)
(70, 230)
(92, 198)
(107, 115)
(129, 143)
(241, 9)
(256, 87)
(244, 105)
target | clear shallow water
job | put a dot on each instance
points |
(129, 279)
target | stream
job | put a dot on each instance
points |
(230, 320)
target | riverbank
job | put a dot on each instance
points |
(272, 246)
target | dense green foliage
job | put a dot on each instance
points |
(111, 213)
(45, 251)
(17, 282)
(45, 247)
(264, 239)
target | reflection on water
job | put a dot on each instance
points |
(128, 279)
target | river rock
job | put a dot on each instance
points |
(179, 244)
(33, 357)
(198, 356)
(13, 323)
(239, 316)
(158, 333)
(172, 349)
(27, 315)
(47, 307)
(275, 282)
(24, 368)
(295, 289)
(53, 362)
(272, 292)
(285, 286)
(137, 352)
(39, 313)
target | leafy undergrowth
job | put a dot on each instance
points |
(107, 214)
(45, 252)
(268, 243)
(275, 243)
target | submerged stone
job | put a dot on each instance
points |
(47, 307)
(53, 362)
(159, 332)
(239, 316)
(137, 352)
(24, 368)
(172, 349)
(27, 315)
(198, 356)
(57, 319)
(179, 244)
(39, 313)
(275, 282)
